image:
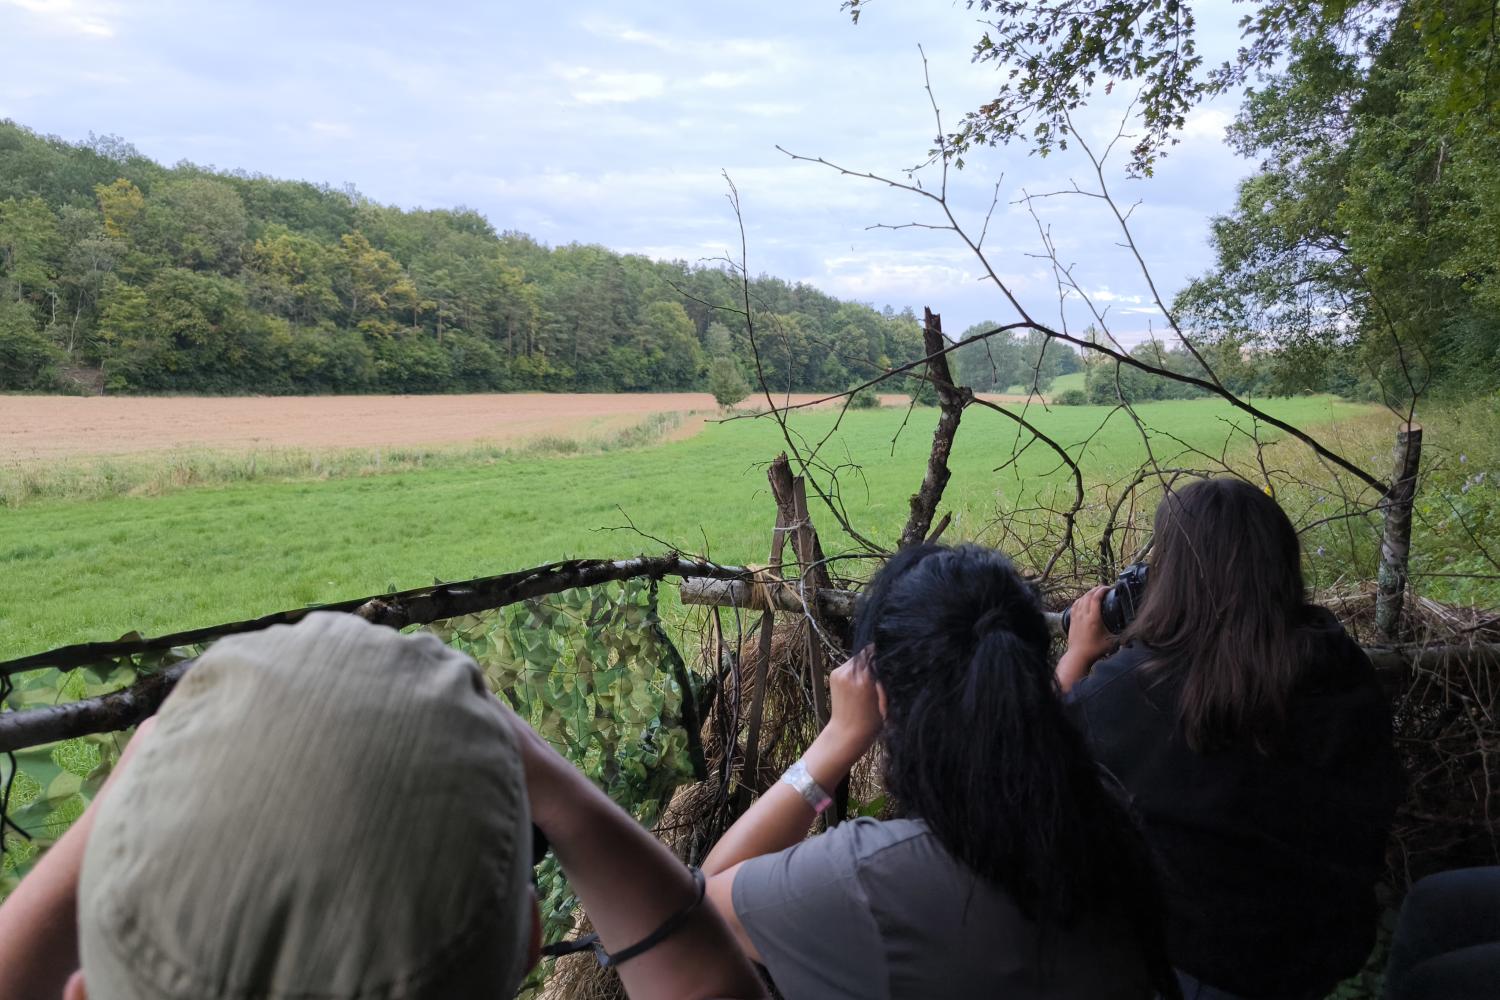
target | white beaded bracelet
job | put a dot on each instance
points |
(813, 793)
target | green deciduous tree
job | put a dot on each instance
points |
(195, 222)
(28, 360)
(28, 247)
(121, 203)
(1369, 236)
(726, 381)
(185, 331)
(371, 283)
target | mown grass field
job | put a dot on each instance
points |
(76, 570)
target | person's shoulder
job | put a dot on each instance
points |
(844, 849)
(1332, 659)
(889, 846)
(865, 837)
(1106, 675)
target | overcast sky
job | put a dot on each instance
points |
(612, 123)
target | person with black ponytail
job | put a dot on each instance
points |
(1015, 870)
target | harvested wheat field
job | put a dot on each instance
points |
(42, 428)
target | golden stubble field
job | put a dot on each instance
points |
(53, 428)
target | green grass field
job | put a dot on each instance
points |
(78, 570)
(1061, 384)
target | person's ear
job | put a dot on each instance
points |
(75, 989)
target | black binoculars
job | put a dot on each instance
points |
(1121, 601)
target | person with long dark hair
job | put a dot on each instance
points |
(1255, 743)
(1014, 870)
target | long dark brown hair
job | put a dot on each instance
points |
(1222, 609)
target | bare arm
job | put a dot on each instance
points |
(780, 818)
(1088, 640)
(630, 884)
(39, 922)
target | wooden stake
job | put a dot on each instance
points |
(749, 773)
(1395, 545)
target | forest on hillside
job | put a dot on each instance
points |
(117, 273)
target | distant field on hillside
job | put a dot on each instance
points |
(77, 570)
(1061, 384)
(1058, 385)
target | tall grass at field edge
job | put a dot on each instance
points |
(96, 478)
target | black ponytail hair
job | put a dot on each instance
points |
(977, 745)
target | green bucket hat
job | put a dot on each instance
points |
(325, 810)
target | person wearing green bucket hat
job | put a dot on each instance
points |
(332, 810)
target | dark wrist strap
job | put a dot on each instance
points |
(669, 927)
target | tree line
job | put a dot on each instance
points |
(119, 274)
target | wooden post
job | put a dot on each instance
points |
(791, 497)
(749, 772)
(1395, 545)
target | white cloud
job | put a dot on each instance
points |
(1206, 123)
(335, 130)
(1105, 295)
(865, 278)
(719, 80)
(68, 17)
(768, 109)
(621, 32)
(603, 87)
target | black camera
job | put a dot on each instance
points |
(1121, 601)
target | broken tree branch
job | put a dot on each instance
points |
(951, 401)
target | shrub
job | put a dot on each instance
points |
(726, 382)
(1071, 397)
(865, 399)
(922, 392)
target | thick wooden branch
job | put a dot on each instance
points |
(408, 607)
(1394, 661)
(123, 709)
(951, 402)
(751, 597)
(105, 714)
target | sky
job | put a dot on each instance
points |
(617, 124)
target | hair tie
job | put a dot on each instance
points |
(990, 621)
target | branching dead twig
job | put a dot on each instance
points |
(951, 401)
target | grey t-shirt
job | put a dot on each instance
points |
(880, 909)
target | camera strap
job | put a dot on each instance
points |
(670, 926)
